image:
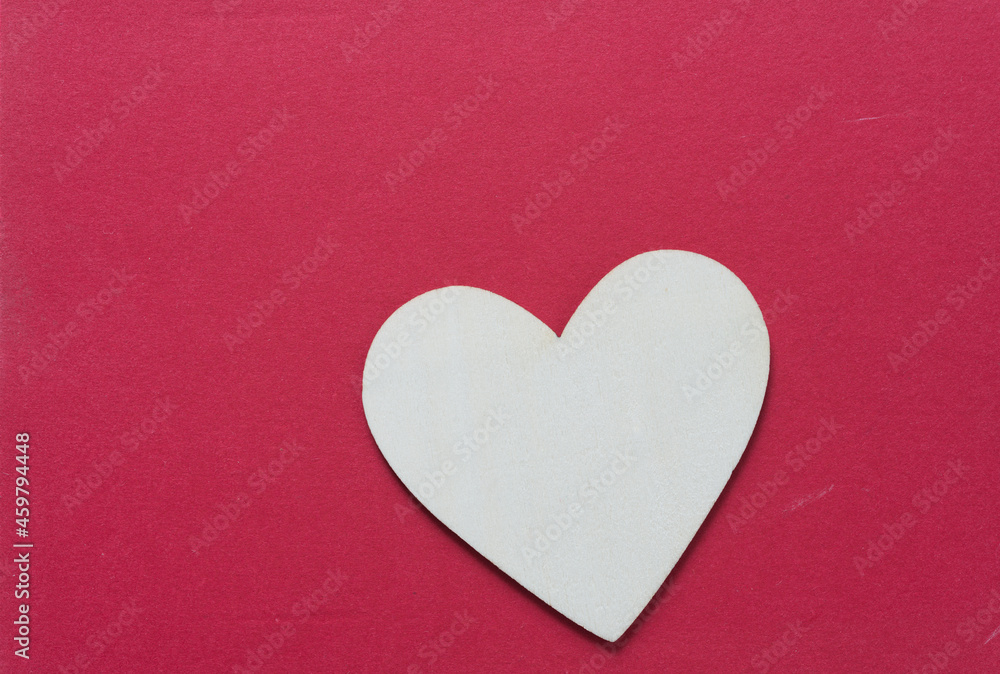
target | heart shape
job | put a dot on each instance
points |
(581, 465)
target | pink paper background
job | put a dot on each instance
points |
(171, 421)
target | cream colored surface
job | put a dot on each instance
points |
(580, 465)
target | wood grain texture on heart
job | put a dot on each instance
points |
(581, 465)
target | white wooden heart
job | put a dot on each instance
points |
(580, 465)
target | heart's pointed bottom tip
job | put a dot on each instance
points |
(610, 634)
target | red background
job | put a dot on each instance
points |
(336, 505)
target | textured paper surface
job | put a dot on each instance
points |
(788, 543)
